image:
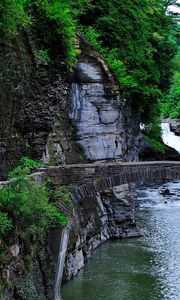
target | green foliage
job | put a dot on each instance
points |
(19, 14)
(57, 218)
(119, 69)
(63, 194)
(81, 151)
(158, 146)
(136, 40)
(170, 106)
(5, 223)
(93, 37)
(13, 16)
(134, 37)
(26, 162)
(43, 55)
(63, 14)
(24, 168)
(24, 204)
(111, 57)
(152, 133)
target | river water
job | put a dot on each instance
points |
(146, 268)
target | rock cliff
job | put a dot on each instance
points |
(106, 128)
(38, 96)
(97, 219)
(49, 115)
(33, 97)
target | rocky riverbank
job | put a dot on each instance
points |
(97, 219)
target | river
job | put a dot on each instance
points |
(146, 268)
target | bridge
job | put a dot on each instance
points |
(85, 180)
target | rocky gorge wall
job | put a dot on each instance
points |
(61, 119)
(107, 214)
(97, 219)
(35, 102)
(33, 97)
(38, 97)
(30, 270)
(105, 127)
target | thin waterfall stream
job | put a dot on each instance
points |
(60, 263)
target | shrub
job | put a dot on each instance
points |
(43, 55)
(63, 194)
(24, 204)
(13, 16)
(5, 223)
(158, 146)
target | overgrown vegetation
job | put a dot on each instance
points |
(25, 209)
(61, 16)
(136, 38)
(62, 194)
(157, 145)
(170, 106)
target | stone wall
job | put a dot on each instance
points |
(103, 199)
(99, 176)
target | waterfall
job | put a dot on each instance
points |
(169, 138)
(60, 263)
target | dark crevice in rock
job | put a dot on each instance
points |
(43, 275)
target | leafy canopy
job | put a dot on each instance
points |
(136, 40)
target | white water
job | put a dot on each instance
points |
(60, 263)
(154, 198)
(169, 138)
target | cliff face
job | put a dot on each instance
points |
(59, 119)
(30, 270)
(106, 128)
(32, 98)
(36, 99)
(95, 220)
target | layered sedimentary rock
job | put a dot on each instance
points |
(104, 127)
(34, 121)
(33, 97)
(97, 219)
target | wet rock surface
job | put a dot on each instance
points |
(166, 195)
(105, 127)
(148, 153)
(97, 219)
(32, 94)
(88, 70)
(33, 106)
(175, 126)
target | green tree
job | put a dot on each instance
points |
(170, 106)
(135, 38)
